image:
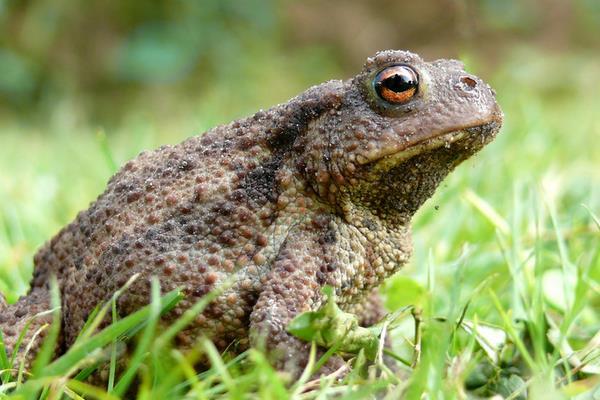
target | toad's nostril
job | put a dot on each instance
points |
(470, 82)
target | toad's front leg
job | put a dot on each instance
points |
(292, 286)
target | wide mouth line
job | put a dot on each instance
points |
(420, 147)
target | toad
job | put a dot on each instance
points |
(315, 192)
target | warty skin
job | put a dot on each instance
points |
(316, 191)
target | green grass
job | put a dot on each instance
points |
(505, 278)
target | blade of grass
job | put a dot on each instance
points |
(594, 217)
(86, 372)
(567, 267)
(537, 309)
(30, 344)
(144, 343)
(49, 346)
(487, 211)
(113, 351)
(96, 318)
(24, 332)
(4, 363)
(270, 385)
(189, 315)
(196, 385)
(88, 323)
(217, 363)
(512, 332)
(308, 371)
(105, 150)
(169, 383)
(88, 391)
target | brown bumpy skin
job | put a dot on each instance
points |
(317, 191)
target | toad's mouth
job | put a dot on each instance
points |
(462, 142)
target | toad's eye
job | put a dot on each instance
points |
(396, 84)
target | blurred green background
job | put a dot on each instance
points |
(86, 85)
(103, 57)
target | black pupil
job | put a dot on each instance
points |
(400, 81)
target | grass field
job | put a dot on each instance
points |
(505, 274)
